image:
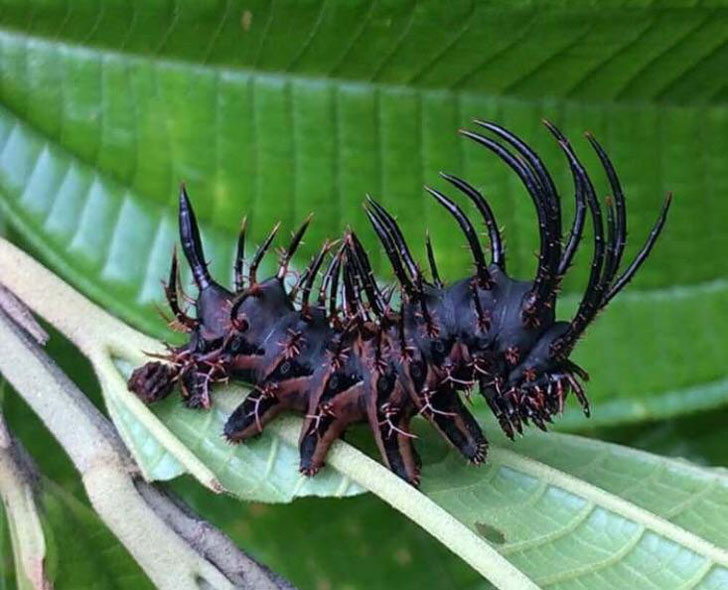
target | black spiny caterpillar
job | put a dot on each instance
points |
(349, 356)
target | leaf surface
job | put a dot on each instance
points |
(277, 109)
(579, 513)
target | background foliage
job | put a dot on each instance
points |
(278, 109)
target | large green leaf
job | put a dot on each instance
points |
(277, 110)
(510, 509)
(284, 108)
(576, 513)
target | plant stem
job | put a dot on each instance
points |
(100, 337)
(155, 538)
(17, 489)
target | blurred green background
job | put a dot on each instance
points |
(277, 109)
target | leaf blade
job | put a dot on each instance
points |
(553, 525)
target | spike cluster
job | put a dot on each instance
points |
(351, 356)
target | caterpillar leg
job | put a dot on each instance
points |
(316, 442)
(152, 382)
(444, 409)
(389, 412)
(328, 417)
(196, 390)
(497, 405)
(396, 444)
(251, 416)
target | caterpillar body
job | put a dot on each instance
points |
(336, 349)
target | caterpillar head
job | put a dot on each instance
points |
(543, 379)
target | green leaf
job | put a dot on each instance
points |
(545, 527)
(699, 438)
(278, 110)
(574, 512)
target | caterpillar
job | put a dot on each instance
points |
(337, 349)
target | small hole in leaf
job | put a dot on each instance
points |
(490, 533)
